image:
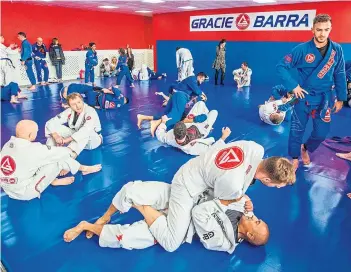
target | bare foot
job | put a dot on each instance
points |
(31, 88)
(103, 220)
(20, 96)
(63, 181)
(304, 156)
(349, 195)
(63, 173)
(345, 156)
(73, 233)
(140, 119)
(42, 83)
(14, 101)
(132, 86)
(153, 126)
(295, 163)
(164, 104)
(91, 169)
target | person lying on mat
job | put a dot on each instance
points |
(12, 93)
(190, 134)
(28, 167)
(279, 105)
(177, 103)
(213, 170)
(82, 130)
(82, 89)
(233, 222)
(111, 98)
(145, 73)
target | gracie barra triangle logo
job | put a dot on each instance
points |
(8, 165)
(229, 158)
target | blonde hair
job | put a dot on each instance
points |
(277, 119)
(73, 96)
(280, 170)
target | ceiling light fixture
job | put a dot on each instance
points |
(108, 7)
(143, 11)
(265, 1)
(188, 7)
(153, 1)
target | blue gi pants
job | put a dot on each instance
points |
(29, 70)
(9, 90)
(41, 64)
(174, 109)
(89, 75)
(299, 119)
(124, 72)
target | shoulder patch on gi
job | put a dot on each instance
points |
(310, 58)
(69, 116)
(288, 58)
(88, 118)
(11, 145)
(49, 147)
(8, 165)
(229, 158)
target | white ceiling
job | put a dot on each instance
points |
(165, 7)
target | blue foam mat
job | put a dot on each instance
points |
(310, 222)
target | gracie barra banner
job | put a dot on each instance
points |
(258, 21)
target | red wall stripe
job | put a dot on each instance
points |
(73, 27)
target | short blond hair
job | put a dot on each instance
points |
(280, 170)
(73, 96)
(277, 119)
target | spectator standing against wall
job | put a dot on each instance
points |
(219, 63)
(57, 57)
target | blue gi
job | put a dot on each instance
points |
(82, 89)
(188, 85)
(123, 66)
(278, 92)
(26, 56)
(153, 75)
(9, 90)
(316, 76)
(348, 70)
(106, 101)
(39, 53)
(91, 61)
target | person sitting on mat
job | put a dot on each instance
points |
(111, 98)
(29, 167)
(145, 73)
(82, 130)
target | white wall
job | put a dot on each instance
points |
(75, 62)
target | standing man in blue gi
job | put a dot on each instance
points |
(26, 58)
(122, 66)
(320, 65)
(90, 62)
(39, 52)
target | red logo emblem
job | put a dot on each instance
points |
(288, 58)
(327, 116)
(112, 105)
(69, 116)
(310, 58)
(229, 158)
(8, 165)
(119, 237)
(88, 118)
(242, 21)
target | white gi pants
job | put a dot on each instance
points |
(7, 73)
(42, 179)
(136, 235)
(186, 69)
(91, 141)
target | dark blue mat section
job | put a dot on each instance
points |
(310, 222)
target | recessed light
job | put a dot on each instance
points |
(188, 7)
(143, 11)
(264, 1)
(46, 0)
(108, 7)
(152, 1)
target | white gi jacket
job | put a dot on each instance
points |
(87, 123)
(227, 168)
(21, 159)
(268, 108)
(183, 55)
(213, 225)
(244, 77)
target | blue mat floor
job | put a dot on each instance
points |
(310, 222)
